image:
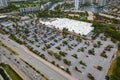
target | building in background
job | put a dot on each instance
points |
(77, 4)
(16, 0)
(82, 2)
(3, 4)
(30, 9)
(86, 1)
(101, 2)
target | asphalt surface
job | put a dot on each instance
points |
(22, 69)
(50, 71)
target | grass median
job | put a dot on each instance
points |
(8, 48)
(11, 72)
(114, 71)
(43, 76)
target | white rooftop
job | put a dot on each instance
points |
(25, 17)
(2, 16)
(6, 24)
(72, 25)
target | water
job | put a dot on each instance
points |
(56, 4)
(93, 9)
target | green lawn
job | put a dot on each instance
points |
(11, 72)
(2, 32)
(114, 72)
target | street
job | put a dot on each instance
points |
(38, 63)
(19, 66)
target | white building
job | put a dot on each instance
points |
(77, 4)
(16, 0)
(36, 8)
(86, 1)
(78, 27)
(2, 16)
(101, 2)
(30, 9)
(3, 3)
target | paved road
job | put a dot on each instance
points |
(20, 67)
(50, 71)
(90, 16)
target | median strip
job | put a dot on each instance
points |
(8, 48)
(13, 75)
(35, 70)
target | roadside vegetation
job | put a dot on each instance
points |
(43, 76)
(8, 48)
(15, 39)
(4, 74)
(114, 72)
(11, 72)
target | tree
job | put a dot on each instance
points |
(65, 32)
(68, 71)
(103, 55)
(50, 52)
(119, 46)
(90, 76)
(77, 69)
(62, 53)
(75, 56)
(57, 56)
(91, 52)
(67, 62)
(82, 63)
(65, 42)
(99, 68)
(53, 62)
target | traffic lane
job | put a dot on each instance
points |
(47, 71)
(20, 65)
(15, 68)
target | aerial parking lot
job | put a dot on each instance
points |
(85, 59)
